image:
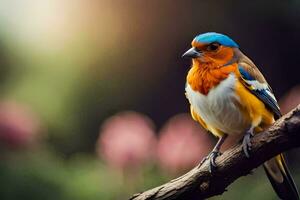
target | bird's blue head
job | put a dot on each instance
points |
(211, 47)
(211, 37)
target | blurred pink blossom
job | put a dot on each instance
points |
(182, 144)
(18, 125)
(290, 100)
(127, 140)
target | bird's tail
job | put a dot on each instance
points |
(280, 178)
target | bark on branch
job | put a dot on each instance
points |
(232, 164)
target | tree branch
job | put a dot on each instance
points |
(232, 164)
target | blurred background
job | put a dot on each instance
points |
(92, 101)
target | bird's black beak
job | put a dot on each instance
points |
(191, 53)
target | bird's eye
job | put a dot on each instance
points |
(197, 49)
(213, 46)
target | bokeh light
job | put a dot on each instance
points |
(127, 140)
(19, 126)
(290, 100)
(182, 144)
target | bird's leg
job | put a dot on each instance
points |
(214, 154)
(247, 142)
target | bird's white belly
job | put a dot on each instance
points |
(218, 108)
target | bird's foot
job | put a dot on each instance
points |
(212, 160)
(247, 143)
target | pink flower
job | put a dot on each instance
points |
(127, 140)
(18, 125)
(182, 144)
(290, 100)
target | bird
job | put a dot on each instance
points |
(229, 96)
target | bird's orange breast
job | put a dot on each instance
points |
(203, 78)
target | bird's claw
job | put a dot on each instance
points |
(212, 160)
(247, 146)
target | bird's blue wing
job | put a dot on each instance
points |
(255, 82)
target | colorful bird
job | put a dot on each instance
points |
(228, 95)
